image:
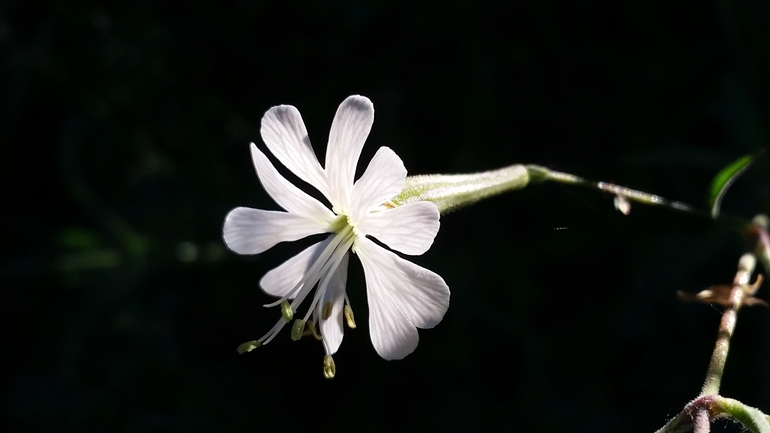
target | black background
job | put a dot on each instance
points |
(125, 131)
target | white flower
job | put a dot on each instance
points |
(402, 296)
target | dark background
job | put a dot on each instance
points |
(125, 130)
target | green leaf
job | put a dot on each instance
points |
(725, 178)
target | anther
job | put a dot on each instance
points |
(248, 346)
(327, 310)
(329, 368)
(297, 329)
(310, 330)
(349, 317)
(286, 311)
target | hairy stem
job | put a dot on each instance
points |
(701, 421)
(727, 325)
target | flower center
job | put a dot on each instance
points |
(320, 274)
(339, 223)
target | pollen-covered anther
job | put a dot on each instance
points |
(248, 346)
(310, 330)
(297, 329)
(329, 368)
(349, 317)
(327, 310)
(286, 311)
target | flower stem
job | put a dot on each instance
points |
(697, 415)
(727, 325)
(452, 191)
(693, 416)
(539, 173)
(701, 421)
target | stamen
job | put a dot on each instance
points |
(297, 329)
(349, 317)
(310, 330)
(327, 311)
(323, 267)
(321, 289)
(248, 346)
(328, 271)
(330, 370)
(272, 332)
(286, 311)
(313, 273)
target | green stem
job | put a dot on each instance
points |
(727, 325)
(541, 174)
(682, 422)
(452, 191)
(751, 417)
(698, 414)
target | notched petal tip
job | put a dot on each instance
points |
(394, 340)
(282, 112)
(402, 297)
(382, 180)
(358, 102)
(253, 231)
(285, 135)
(350, 128)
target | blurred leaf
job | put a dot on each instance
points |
(79, 239)
(725, 178)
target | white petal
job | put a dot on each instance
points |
(409, 228)
(420, 295)
(383, 179)
(393, 337)
(279, 281)
(284, 193)
(350, 127)
(401, 296)
(285, 135)
(252, 231)
(331, 328)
